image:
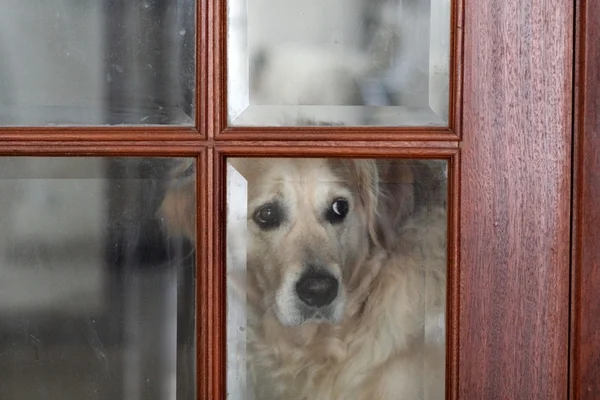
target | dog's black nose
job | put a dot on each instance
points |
(317, 289)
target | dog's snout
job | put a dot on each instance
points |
(317, 289)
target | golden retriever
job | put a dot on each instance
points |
(346, 270)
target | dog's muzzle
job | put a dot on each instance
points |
(317, 288)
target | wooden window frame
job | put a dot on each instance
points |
(499, 281)
(585, 268)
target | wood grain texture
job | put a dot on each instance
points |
(82, 146)
(515, 200)
(203, 51)
(106, 148)
(217, 319)
(203, 277)
(335, 149)
(337, 133)
(453, 280)
(211, 291)
(585, 334)
(457, 41)
(511, 105)
(96, 134)
(217, 67)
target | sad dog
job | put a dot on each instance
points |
(346, 269)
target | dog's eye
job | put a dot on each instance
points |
(338, 211)
(268, 216)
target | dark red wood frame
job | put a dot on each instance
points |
(585, 306)
(509, 148)
(515, 200)
(429, 134)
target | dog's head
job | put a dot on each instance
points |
(178, 210)
(311, 225)
(310, 222)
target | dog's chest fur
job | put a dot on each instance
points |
(380, 351)
(356, 360)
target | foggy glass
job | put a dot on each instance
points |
(104, 62)
(96, 292)
(340, 62)
(295, 222)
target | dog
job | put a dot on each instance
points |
(345, 277)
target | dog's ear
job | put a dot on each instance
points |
(366, 177)
(396, 197)
(405, 187)
(178, 208)
(431, 182)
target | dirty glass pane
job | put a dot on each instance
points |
(342, 62)
(97, 62)
(336, 279)
(96, 280)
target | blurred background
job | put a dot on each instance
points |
(352, 62)
(96, 302)
(65, 62)
(96, 298)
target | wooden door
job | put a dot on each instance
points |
(508, 140)
(511, 143)
(516, 174)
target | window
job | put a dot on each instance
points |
(155, 161)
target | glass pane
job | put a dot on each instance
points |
(336, 278)
(96, 281)
(93, 62)
(348, 62)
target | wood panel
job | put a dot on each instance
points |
(515, 200)
(337, 133)
(106, 133)
(104, 148)
(585, 336)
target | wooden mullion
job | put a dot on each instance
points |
(204, 238)
(203, 55)
(335, 149)
(98, 134)
(87, 148)
(585, 257)
(338, 133)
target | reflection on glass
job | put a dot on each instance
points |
(336, 279)
(65, 62)
(96, 284)
(348, 62)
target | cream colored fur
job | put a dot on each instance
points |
(377, 354)
(393, 284)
